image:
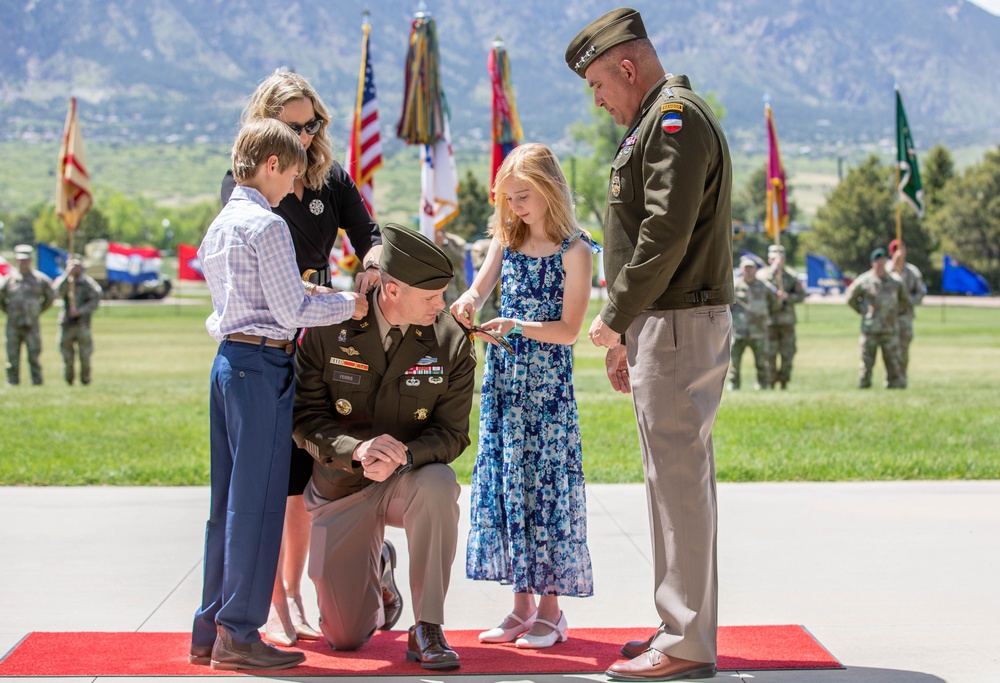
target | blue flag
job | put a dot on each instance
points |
(961, 280)
(822, 272)
(51, 260)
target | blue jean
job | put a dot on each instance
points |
(250, 412)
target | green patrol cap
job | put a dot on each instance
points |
(615, 27)
(775, 249)
(23, 252)
(878, 252)
(410, 257)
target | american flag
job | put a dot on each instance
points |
(364, 154)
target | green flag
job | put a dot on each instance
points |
(909, 188)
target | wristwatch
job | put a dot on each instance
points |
(516, 331)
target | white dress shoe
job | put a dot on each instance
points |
(303, 630)
(279, 629)
(505, 635)
(556, 635)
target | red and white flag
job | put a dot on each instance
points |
(73, 198)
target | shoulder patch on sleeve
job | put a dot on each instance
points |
(671, 122)
(672, 106)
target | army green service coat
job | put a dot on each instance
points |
(346, 394)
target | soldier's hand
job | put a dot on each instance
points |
(602, 335)
(384, 447)
(616, 364)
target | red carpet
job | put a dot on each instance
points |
(741, 648)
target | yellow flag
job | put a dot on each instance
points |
(73, 198)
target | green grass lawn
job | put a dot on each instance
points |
(144, 419)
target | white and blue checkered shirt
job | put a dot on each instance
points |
(249, 263)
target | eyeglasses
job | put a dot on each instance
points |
(310, 127)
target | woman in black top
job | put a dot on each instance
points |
(325, 199)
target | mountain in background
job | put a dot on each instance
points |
(179, 71)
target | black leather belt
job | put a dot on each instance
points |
(319, 277)
(701, 296)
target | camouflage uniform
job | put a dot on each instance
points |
(880, 301)
(755, 301)
(781, 330)
(24, 297)
(76, 330)
(913, 283)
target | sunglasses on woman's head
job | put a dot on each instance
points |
(310, 127)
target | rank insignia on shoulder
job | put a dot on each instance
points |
(342, 337)
(672, 106)
(671, 122)
(343, 406)
(668, 91)
(421, 414)
(350, 350)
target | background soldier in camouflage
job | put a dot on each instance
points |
(74, 320)
(24, 296)
(756, 300)
(916, 289)
(781, 330)
(879, 297)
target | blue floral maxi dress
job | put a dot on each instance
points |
(529, 505)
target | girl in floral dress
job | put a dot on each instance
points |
(529, 508)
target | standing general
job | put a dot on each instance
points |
(666, 323)
(382, 404)
(24, 295)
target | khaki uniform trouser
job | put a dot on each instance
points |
(677, 362)
(345, 549)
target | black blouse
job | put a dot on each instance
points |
(313, 221)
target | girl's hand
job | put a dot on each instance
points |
(499, 325)
(463, 309)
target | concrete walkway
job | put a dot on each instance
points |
(898, 580)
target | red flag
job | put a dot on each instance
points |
(188, 265)
(506, 130)
(776, 218)
(4, 267)
(73, 197)
(364, 153)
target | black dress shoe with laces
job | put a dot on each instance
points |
(392, 601)
(428, 646)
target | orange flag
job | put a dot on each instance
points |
(73, 197)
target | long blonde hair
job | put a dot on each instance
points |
(536, 165)
(268, 102)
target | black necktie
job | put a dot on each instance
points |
(395, 337)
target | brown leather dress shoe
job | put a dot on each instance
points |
(653, 665)
(634, 648)
(200, 654)
(392, 601)
(228, 655)
(428, 646)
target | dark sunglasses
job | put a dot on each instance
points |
(310, 127)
